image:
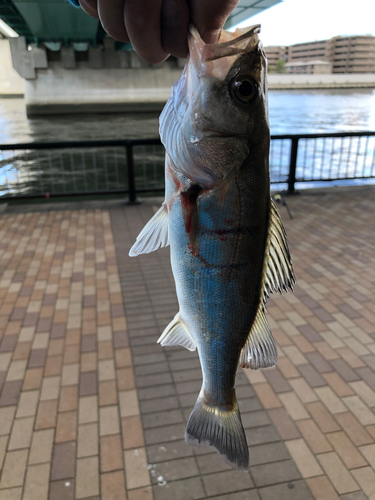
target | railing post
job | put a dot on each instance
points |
(292, 165)
(133, 199)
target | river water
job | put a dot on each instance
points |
(296, 111)
(290, 112)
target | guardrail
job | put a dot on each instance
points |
(130, 167)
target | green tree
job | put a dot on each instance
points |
(280, 66)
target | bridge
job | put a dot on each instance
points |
(67, 60)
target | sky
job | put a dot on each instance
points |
(296, 21)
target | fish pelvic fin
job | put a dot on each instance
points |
(176, 333)
(220, 428)
(260, 350)
(278, 272)
(154, 235)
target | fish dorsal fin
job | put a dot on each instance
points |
(279, 273)
(260, 350)
(154, 235)
(176, 333)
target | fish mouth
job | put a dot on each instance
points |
(229, 44)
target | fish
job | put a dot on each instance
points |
(228, 246)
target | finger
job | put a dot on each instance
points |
(142, 22)
(174, 27)
(111, 14)
(90, 7)
(209, 16)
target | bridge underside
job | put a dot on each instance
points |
(57, 21)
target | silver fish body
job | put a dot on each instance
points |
(228, 246)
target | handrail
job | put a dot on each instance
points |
(306, 162)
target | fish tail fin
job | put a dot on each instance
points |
(222, 429)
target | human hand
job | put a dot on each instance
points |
(158, 28)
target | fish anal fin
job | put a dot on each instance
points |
(176, 333)
(278, 273)
(154, 235)
(260, 350)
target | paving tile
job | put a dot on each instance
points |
(294, 407)
(63, 461)
(21, 433)
(304, 459)
(267, 453)
(369, 453)
(128, 403)
(68, 398)
(88, 409)
(337, 473)
(87, 480)
(318, 362)
(274, 473)
(3, 446)
(28, 404)
(107, 393)
(322, 489)
(10, 393)
(267, 396)
(313, 436)
(14, 469)
(366, 479)
(88, 384)
(66, 429)
(111, 453)
(345, 449)
(313, 378)
(296, 490)
(6, 418)
(174, 470)
(283, 424)
(357, 495)
(11, 494)
(343, 369)
(50, 388)
(330, 400)
(226, 482)
(337, 384)
(37, 358)
(113, 486)
(37, 482)
(353, 429)
(33, 379)
(46, 416)
(132, 432)
(70, 375)
(136, 470)
(303, 391)
(41, 447)
(109, 420)
(324, 420)
(87, 440)
(362, 412)
(364, 391)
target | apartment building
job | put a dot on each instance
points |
(274, 53)
(348, 54)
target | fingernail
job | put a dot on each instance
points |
(169, 12)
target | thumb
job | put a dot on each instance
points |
(209, 16)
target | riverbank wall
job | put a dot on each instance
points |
(11, 83)
(323, 81)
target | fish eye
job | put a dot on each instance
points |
(244, 89)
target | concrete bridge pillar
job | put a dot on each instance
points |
(82, 78)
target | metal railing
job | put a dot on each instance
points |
(137, 166)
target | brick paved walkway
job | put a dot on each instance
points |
(92, 408)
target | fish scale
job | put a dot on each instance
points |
(228, 245)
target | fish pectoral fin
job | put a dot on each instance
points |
(279, 273)
(154, 235)
(176, 333)
(260, 350)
